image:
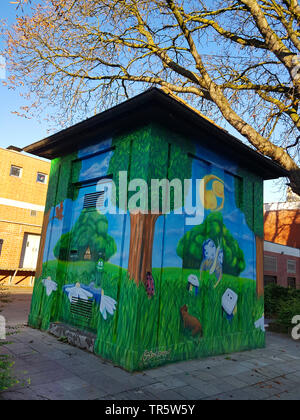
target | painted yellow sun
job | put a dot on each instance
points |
(210, 198)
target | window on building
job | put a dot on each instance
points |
(15, 171)
(292, 282)
(41, 178)
(270, 280)
(1, 245)
(33, 213)
(291, 266)
(270, 263)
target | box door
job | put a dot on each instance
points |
(82, 268)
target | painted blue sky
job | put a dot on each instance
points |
(233, 218)
(169, 229)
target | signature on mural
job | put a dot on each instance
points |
(150, 356)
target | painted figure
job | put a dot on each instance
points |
(190, 322)
(193, 284)
(212, 260)
(229, 304)
(77, 291)
(100, 268)
(50, 285)
(260, 323)
(150, 285)
(59, 212)
(81, 291)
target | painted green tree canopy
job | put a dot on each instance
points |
(88, 237)
(249, 199)
(148, 154)
(59, 188)
(155, 155)
(190, 245)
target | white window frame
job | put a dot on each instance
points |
(37, 178)
(270, 260)
(17, 167)
(294, 264)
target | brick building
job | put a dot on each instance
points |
(282, 246)
(281, 265)
(282, 223)
(23, 190)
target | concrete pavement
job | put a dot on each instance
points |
(49, 369)
(15, 304)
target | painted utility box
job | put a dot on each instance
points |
(153, 232)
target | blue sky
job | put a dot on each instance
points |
(15, 130)
(21, 131)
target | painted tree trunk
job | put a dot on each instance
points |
(142, 228)
(39, 267)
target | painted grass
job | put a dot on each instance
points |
(148, 332)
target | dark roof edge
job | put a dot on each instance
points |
(73, 135)
(94, 121)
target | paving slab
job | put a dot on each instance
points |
(48, 369)
(51, 370)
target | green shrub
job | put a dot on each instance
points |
(282, 304)
(275, 297)
(287, 312)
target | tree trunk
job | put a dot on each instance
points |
(142, 228)
(39, 267)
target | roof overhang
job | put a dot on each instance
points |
(154, 105)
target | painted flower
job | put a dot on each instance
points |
(50, 285)
(107, 304)
(76, 291)
(260, 323)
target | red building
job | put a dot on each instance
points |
(282, 223)
(281, 265)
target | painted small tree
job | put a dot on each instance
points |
(58, 192)
(190, 245)
(60, 189)
(147, 155)
(89, 232)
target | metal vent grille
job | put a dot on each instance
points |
(270, 263)
(82, 308)
(92, 200)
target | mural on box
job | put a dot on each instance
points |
(153, 287)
